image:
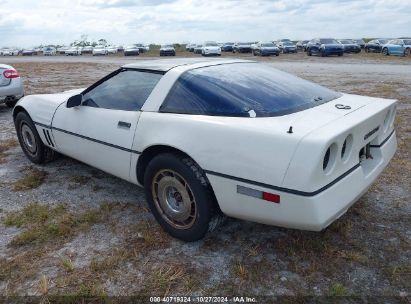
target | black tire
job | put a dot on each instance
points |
(407, 52)
(11, 103)
(162, 177)
(309, 52)
(385, 52)
(38, 153)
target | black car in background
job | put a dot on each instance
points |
(242, 47)
(360, 42)
(227, 47)
(375, 46)
(350, 46)
(324, 47)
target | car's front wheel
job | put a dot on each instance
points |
(179, 196)
(30, 140)
(309, 52)
(385, 51)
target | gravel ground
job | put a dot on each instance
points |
(69, 229)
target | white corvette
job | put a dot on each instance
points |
(206, 137)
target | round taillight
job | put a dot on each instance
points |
(9, 74)
(346, 147)
(326, 158)
(330, 158)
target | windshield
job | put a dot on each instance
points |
(236, 89)
(268, 44)
(383, 41)
(407, 41)
(288, 43)
(345, 41)
(328, 41)
(229, 43)
(211, 44)
(167, 46)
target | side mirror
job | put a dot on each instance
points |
(74, 101)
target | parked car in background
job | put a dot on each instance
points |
(242, 47)
(350, 46)
(266, 49)
(167, 50)
(211, 48)
(73, 51)
(111, 49)
(9, 52)
(287, 47)
(11, 85)
(227, 47)
(301, 45)
(198, 49)
(141, 47)
(191, 47)
(28, 52)
(62, 50)
(99, 50)
(49, 51)
(360, 42)
(398, 47)
(87, 49)
(131, 50)
(324, 47)
(174, 128)
(375, 45)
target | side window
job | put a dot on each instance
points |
(127, 91)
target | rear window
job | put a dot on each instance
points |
(241, 89)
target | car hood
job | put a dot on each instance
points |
(212, 47)
(269, 48)
(289, 46)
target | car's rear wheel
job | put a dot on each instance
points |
(385, 51)
(30, 140)
(179, 196)
(407, 52)
(309, 52)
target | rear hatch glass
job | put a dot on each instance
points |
(243, 89)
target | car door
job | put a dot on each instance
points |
(395, 47)
(100, 132)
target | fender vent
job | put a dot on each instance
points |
(48, 137)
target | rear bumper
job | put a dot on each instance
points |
(14, 89)
(303, 211)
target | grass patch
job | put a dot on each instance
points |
(44, 223)
(4, 147)
(33, 179)
(77, 181)
(67, 264)
(338, 290)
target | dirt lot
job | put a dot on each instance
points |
(69, 229)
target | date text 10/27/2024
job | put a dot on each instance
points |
(199, 299)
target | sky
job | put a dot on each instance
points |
(28, 23)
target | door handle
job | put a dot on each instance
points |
(123, 124)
